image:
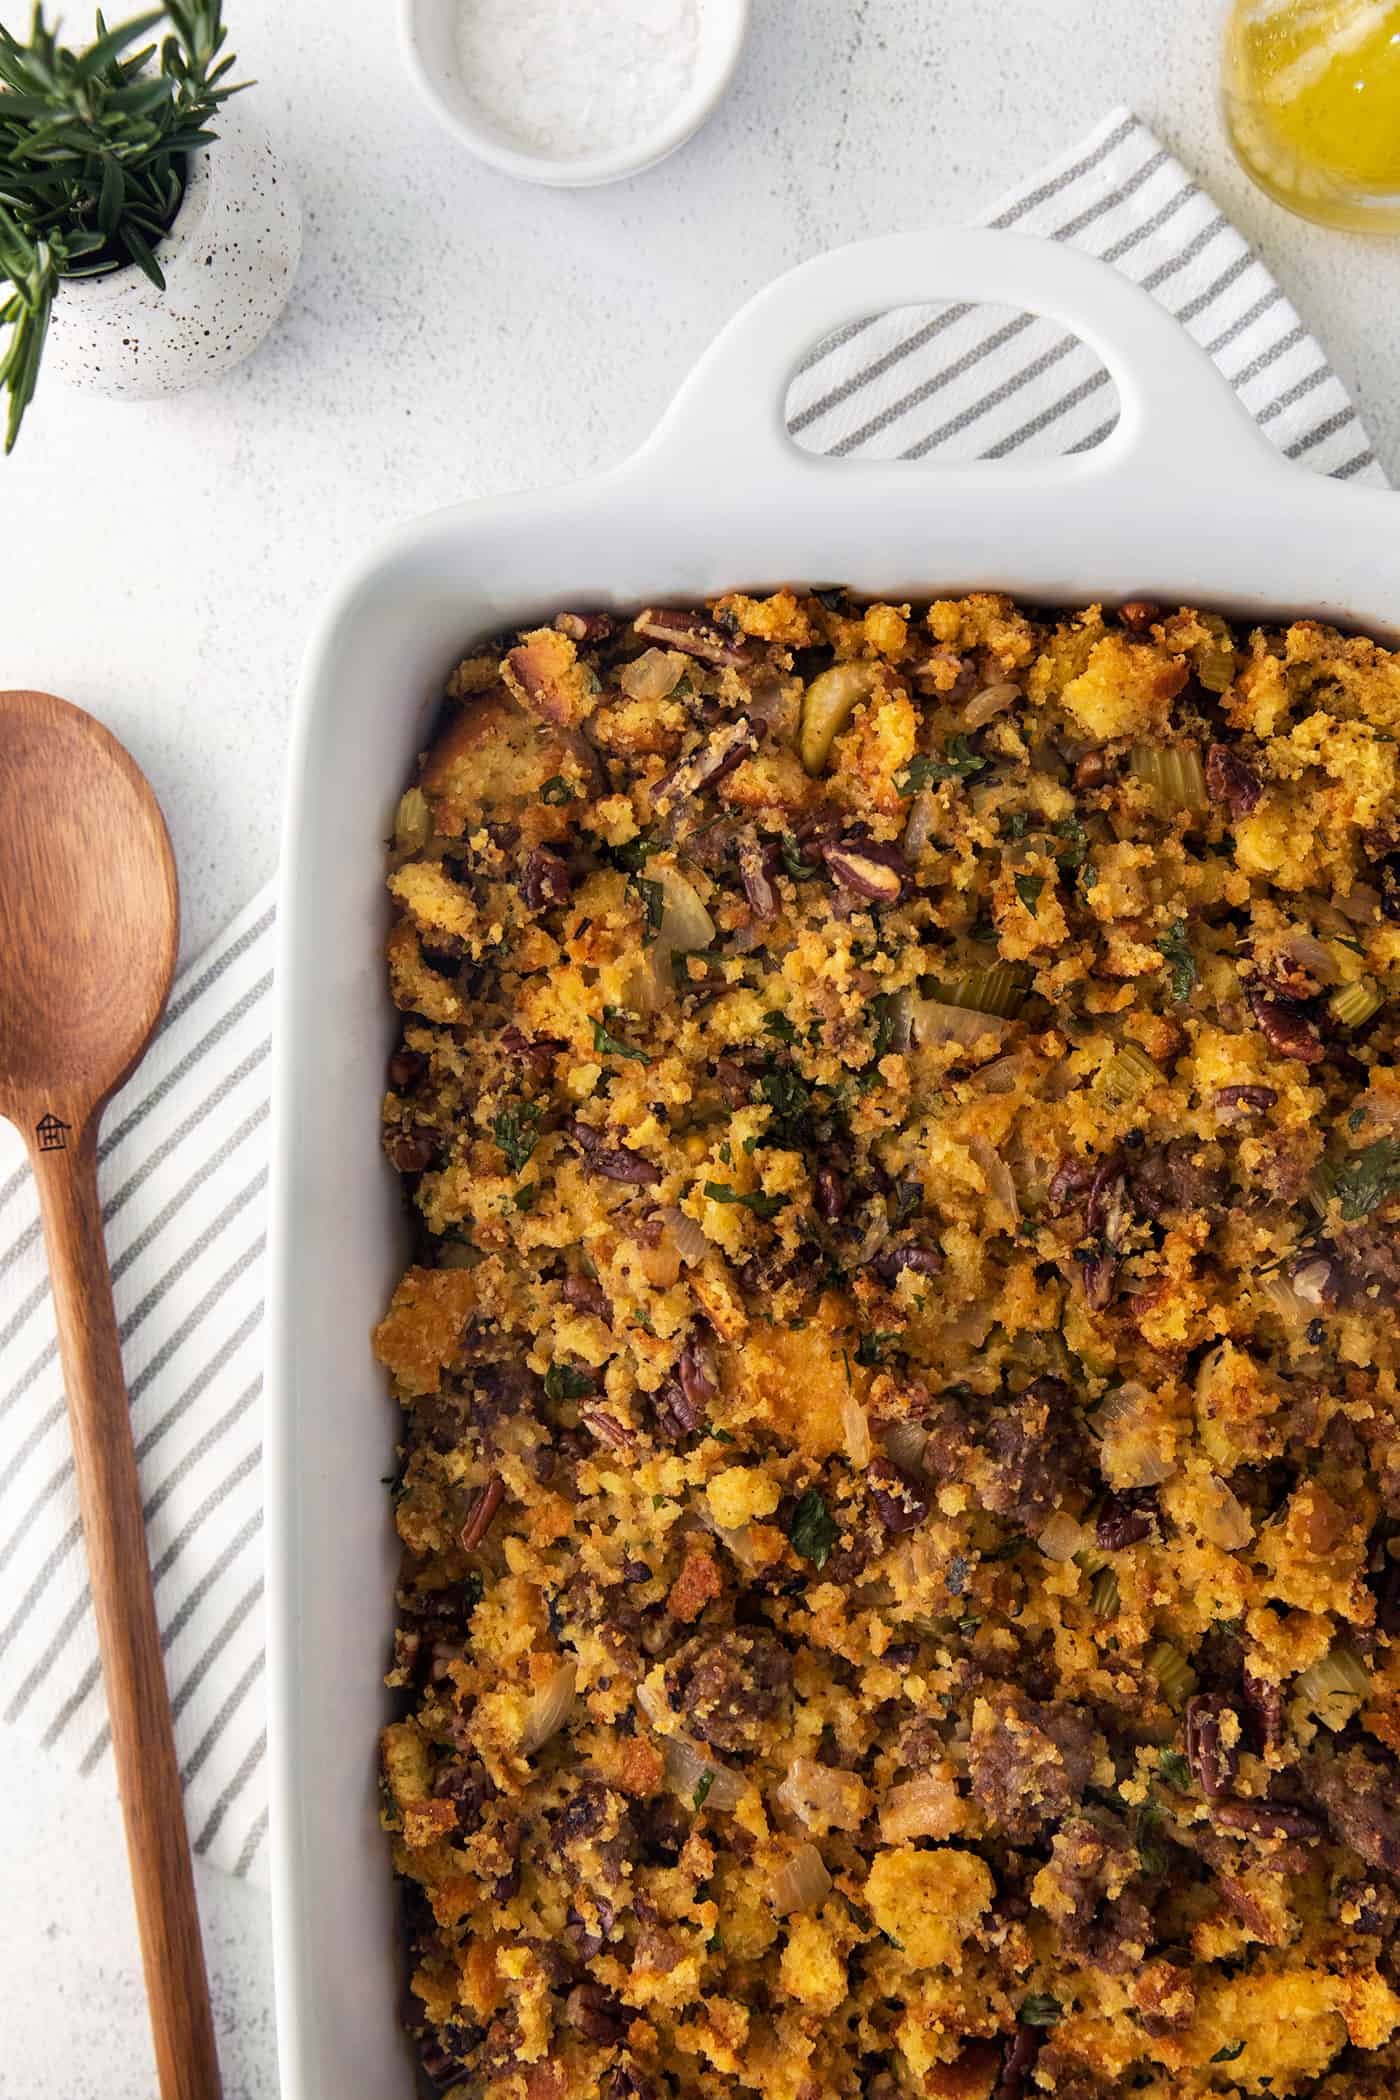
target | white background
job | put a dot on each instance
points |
(452, 333)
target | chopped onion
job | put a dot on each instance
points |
(661, 1264)
(924, 1806)
(549, 1707)
(687, 1769)
(904, 1442)
(1000, 1186)
(413, 823)
(686, 1237)
(856, 1430)
(1284, 1300)
(992, 700)
(802, 1883)
(919, 828)
(1224, 1520)
(685, 923)
(822, 1797)
(1131, 1454)
(936, 1022)
(654, 674)
(1004, 1074)
(1309, 954)
(1362, 906)
(1062, 1537)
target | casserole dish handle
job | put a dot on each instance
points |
(1179, 417)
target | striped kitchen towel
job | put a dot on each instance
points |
(184, 1155)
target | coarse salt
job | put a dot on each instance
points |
(575, 77)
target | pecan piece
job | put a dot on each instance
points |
(1266, 1818)
(1213, 1761)
(1264, 1704)
(406, 1069)
(900, 1503)
(755, 871)
(586, 627)
(1239, 1098)
(692, 634)
(1126, 1519)
(829, 1192)
(481, 1513)
(867, 869)
(1287, 1028)
(595, 2013)
(545, 879)
(1230, 780)
(1018, 2063)
(586, 1296)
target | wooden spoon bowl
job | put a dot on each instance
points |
(89, 922)
(88, 909)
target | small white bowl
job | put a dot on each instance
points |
(430, 45)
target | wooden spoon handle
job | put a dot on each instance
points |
(138, 1704)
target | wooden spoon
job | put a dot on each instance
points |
(89, 914)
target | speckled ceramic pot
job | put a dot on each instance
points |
(229, 260)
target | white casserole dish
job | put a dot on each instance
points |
(1186, 501)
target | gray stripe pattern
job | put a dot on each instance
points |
(183, 1164)
(183, 1156)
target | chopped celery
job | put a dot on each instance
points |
(1175, 775)
(1355, 1003)
(1001, 990)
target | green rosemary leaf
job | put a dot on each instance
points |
(752, 1199)
(813, 1530)
(1175, 951)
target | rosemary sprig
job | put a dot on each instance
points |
(93, 153)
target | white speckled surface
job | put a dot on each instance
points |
(449, 333)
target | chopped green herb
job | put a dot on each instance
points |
(1356, 1119)
(1231, 2053)
(1175, 950)
(653, 896)
(1077, 844)
(1174, 1769)
(608, 1045)
(959, 762)
(873, 1348)
(563, 1382)
(1028, 889)
(780, 1026)
(1147, 1833)
(528, 1197)
(883, 1009)
(968, 1627)
(1015, 826)
(513, 1128)
(1367, 1179)
(955, 1581)
(702, 1789)
(556, 791)
(813, 1532)
(1039, 2010)
(721, 1436)
(658, 1501)
(634, 854)
(786, 1094)
(752, 1199)
(799, 869)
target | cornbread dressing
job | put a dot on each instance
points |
(901, 1111)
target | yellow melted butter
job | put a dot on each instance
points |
(1313, 97)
